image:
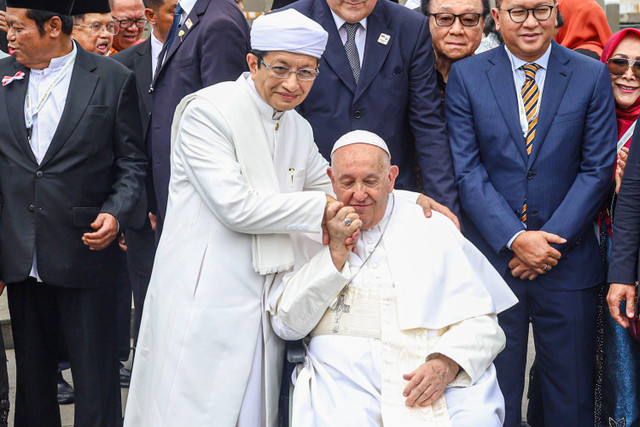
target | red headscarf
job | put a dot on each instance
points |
(626, 117)
(585, 25)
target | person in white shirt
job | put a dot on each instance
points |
(402, 324)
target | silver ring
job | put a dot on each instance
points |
(546, 266)
(347, 222)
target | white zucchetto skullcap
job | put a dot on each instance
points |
(289, 31)
(360, 137)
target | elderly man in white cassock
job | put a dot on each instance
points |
(245, 174)
(402, 324)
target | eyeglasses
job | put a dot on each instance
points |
(127, 23)
(520, 14)
(448, 19)
(619, 66)
(303, 74)
(97, 28)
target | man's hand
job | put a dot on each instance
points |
(428, 204)
(3, 22)
(325, 233)
(107, 228)
(427, 383)
(122, 242)
(339, 232)
(153, 220)
(619, 292)
(521, 270)
(621, 163)
(534, 249)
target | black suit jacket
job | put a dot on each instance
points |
(212, 49)
(138, 59)
(94, 164)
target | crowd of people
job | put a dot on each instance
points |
(345, 213)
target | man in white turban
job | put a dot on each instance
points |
(245, 173)
(402, 324)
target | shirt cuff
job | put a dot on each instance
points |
(510, 242)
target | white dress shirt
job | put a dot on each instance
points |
(187, 6)
(46, 121)
(361, 34)
(156, 47)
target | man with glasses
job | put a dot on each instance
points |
(94, 32)
(456, 31)
(128, 16)
(240, 162)
(533, 135)
(378, 74)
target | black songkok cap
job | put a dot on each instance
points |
(80, 7)
(63, 7)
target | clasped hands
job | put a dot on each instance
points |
(533, 254)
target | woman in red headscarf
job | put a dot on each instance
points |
(618, 379)
(585, 28)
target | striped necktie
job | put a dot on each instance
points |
(530, 98)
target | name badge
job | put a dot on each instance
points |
(384, 38)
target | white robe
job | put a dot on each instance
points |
(203, 338)
(340, 381)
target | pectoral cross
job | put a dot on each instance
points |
(340, 308)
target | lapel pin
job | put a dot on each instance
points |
(384, 38)
(8, 79)
(189, 24)
(181, 34)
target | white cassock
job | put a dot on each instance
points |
(205, 356)
(424, 291)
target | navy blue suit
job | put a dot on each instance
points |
(564, 181)
(396, 97)
(623, 266)
(212, 49)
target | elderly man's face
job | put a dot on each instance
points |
(362, 177)
(30, 48)
(352, 11)
(125, 12)
(457, 41)
(94, 32)
(281, 93)
(530, 39)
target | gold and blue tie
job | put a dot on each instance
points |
(530, 98)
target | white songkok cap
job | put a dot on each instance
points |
(289, 31)
(360, 137)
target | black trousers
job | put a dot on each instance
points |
(141, 250)
(85, 318)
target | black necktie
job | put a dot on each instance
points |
(171, 35)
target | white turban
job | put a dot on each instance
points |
(289, 31)
(360, 137)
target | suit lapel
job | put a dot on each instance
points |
(501, 80)
(81, 87)
(194, 17)
(555, 84)
(15, 93)
(334, 55)
(375, 53)
(142, 67)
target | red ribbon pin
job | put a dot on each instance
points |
(8, 79)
